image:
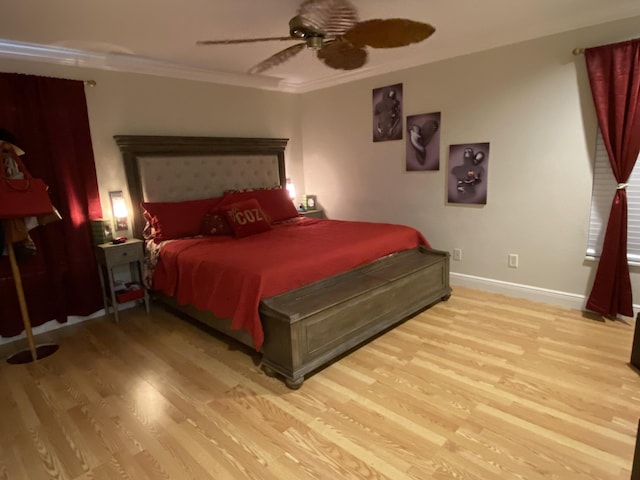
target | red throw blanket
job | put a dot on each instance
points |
(229, 276)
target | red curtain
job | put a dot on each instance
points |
(614, 75)
(48, 117)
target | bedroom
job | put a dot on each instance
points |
(530, 100)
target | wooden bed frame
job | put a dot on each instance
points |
(309, 327)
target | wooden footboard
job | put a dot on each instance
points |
(309, 327)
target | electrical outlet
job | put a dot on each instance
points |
(457, 254)
(513, 260)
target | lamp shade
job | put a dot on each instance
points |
(119, 210)
(291, 189)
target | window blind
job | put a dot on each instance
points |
(604, 187)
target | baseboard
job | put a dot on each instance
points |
(536, 294)
(71, 320)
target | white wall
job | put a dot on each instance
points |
(532, 102)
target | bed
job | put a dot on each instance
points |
(309, 309)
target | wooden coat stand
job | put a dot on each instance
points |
(34, 353)
(17, 280)
(11, 152)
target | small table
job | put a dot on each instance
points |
(318, 213)
(111, 255)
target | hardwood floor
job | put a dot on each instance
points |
(480, 387)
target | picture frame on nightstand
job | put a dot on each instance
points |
(311, 202)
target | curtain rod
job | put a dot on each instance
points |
(90, 83)
(581, 50)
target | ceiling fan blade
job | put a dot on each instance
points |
(240, 40)
(278, 58)
(341, 55)
(332, 17)
(389, 33)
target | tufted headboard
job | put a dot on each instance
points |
(173, 169)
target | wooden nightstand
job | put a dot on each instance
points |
(319, 213)
(109, 256)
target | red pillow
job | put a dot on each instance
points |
(274, 201)
(246, 218)
(171, 220)
(216, 224)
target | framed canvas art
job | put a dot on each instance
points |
(423, 142)
(468, 169)
(387, 113)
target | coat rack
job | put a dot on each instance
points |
(17, 197)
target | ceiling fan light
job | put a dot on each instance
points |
(297, 28)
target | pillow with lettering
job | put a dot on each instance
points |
(275, 202)
(246, 217)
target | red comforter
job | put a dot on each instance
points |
(229, 276)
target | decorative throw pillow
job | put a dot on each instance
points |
(170, 220)
(215, 223)
(246, 217)
(274, 201)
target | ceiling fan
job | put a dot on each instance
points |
(332, 29)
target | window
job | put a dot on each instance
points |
(604, 186)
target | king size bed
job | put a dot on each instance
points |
(228, 248)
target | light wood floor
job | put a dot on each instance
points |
(480, 387)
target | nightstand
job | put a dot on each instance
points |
(109, 256)
(319, 213)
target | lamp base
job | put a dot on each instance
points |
(24, 356)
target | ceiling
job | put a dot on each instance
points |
(159, 36)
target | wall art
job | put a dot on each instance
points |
(468, 168)
(423, 142)
(387, 113)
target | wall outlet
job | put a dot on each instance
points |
(457, 254)
(513, 260)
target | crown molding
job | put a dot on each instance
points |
(135, 64)
(122, 62)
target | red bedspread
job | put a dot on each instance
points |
(229, 276)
